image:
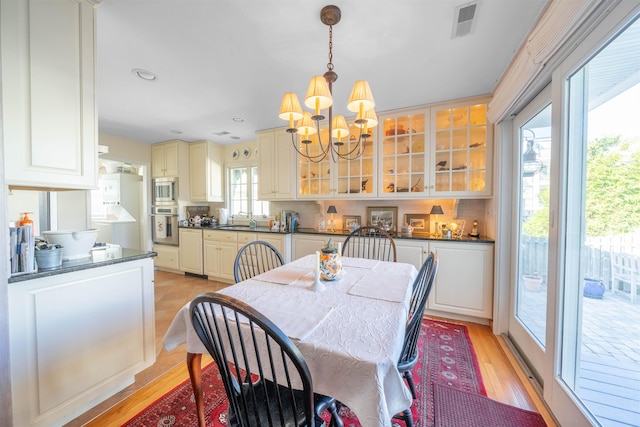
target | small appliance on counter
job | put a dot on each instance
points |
(199, 216)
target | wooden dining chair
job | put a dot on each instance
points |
(422, 286)
(276, 389)
(370, 242)
(255, 258)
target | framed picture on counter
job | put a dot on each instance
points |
(385, 217)
(419, 222)
(349, 220)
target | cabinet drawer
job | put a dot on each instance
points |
(244, 238)
(221, 236)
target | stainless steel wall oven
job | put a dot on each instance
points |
(164, 224)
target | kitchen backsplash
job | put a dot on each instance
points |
(312, 212)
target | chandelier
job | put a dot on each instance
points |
(318, 98)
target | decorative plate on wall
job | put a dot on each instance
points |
(246, 152)
(235, 154)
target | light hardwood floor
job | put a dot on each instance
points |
(504, 381)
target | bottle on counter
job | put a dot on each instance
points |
(27, 221)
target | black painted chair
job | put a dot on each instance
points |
(422, 286)
(255, 258)
(370, 242)
(264, 394)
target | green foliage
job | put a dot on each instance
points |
(537, 225)
(613, 186)
(612, 203)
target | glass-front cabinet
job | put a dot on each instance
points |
(434, 151)
(403, 154)
(461, 150)
(341, 179)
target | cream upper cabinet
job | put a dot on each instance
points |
(205, 172)
(437, 151)
(404, 152)
(48, 93)
(336, 177)
(165, 159)
(276, 165)
(461, 151)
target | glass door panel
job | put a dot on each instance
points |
(600, 341)
(531, 293)
(460, 149)
(403, 154)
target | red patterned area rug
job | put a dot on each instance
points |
(446, 357)
(455, 408)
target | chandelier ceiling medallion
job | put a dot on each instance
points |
(319, 97)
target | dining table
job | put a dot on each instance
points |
(350, 334)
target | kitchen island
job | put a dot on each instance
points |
(79, 334)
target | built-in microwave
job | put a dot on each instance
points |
(165, 191)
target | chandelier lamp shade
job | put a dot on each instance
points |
(303, 124)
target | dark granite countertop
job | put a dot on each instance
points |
(99, 258)
(414, 236)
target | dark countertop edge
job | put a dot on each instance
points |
(85, 264)
(415, 236)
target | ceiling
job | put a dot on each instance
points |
(220, 60)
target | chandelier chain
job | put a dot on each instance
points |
(330, 64)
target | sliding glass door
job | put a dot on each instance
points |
(575, 292)
(601, 325)
(528, 320)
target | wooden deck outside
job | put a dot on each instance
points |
(609, 367)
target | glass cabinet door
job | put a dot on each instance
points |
(357, 176)
(315, 177)
(460, 150)
(341, 179)
(403, 155)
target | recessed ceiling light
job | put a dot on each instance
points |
(221, 133)
(144, 74)
(235, 137)
(237, 119)
(177, 132)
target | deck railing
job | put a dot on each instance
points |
(596, 258)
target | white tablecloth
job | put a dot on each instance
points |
(351, 340)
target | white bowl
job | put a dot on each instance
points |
(76, 244)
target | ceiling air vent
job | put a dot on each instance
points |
(463, 19)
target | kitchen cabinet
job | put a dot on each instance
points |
(168, 257)
(205, 172)
(77, 338)
(191, 255)
(166, 158)
(220, 250)
(436, 151)
(282, 242)
(276, 165)
(307, 244)
(412, 251)
(464, 282)
(404, 152)
(461, 150)
(341, 179)
(48, 93)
